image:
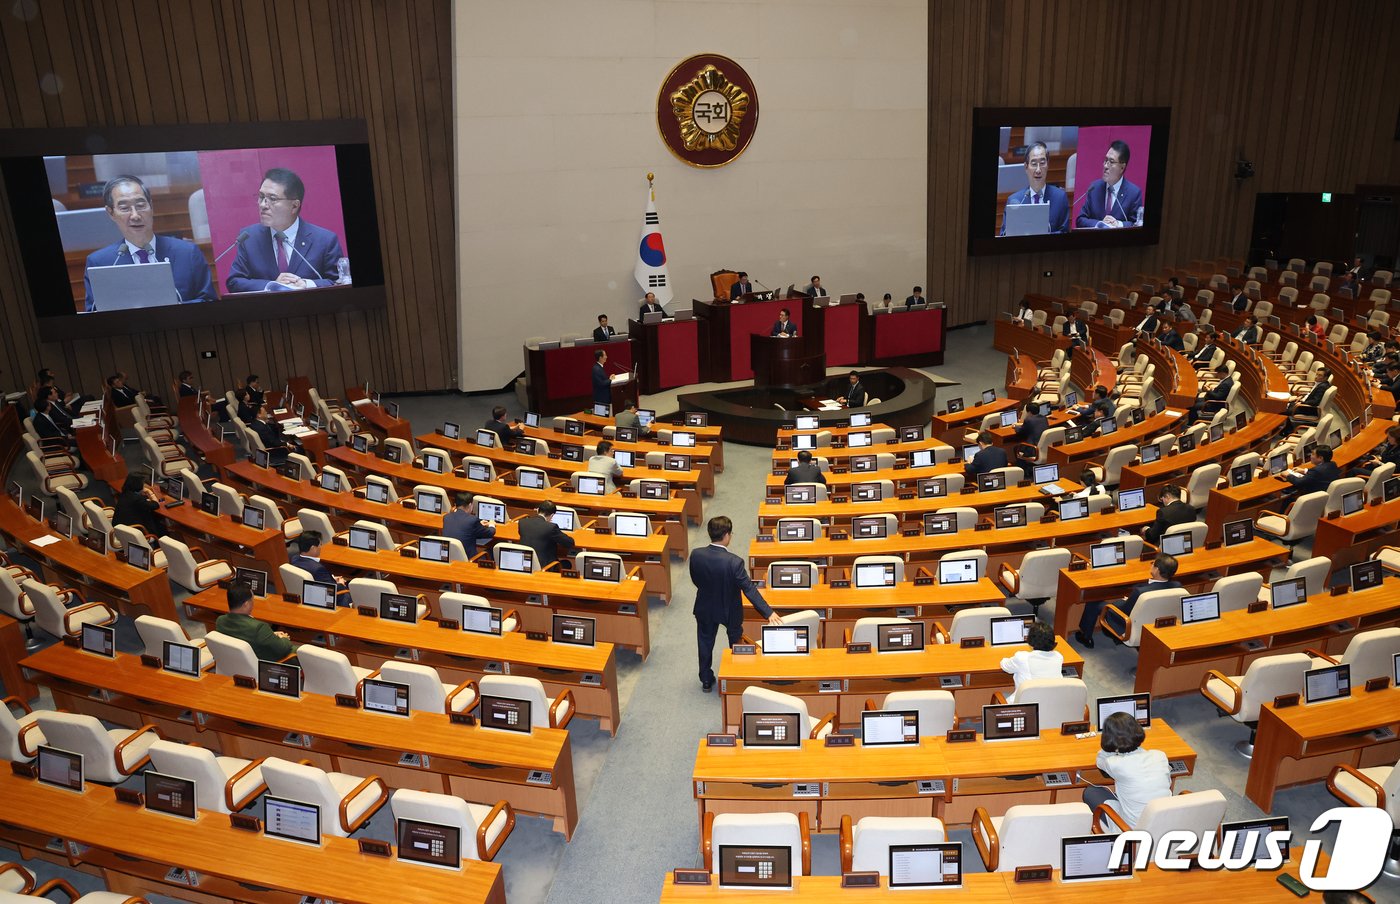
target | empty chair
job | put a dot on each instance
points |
(1368, 653)
(866, 846)
(383, 540)
(126, 535)
(166, 461)
(273, 519)
(230, 500)
(1372, 786)
(427, 692)
(973, 622)
(223, 784)
(20, 736)
(1197, 530)
(765, 700)
(456, 552)
(966, 516)
(305, 469)
(155, 632)
(937, 710)
(1298, 524)
(51, 478)
(109, 755)
(1237, 591)
(585, 557)
(544, 712)
(189, 572)
(450, 608)
(293, 579)
(347, 801)
(329, 672)
(501, 548)
(1036, 580)
(15, 880)
(758, 829)
(1198, 813)
(370, 591)
(1028, 835)
(51, 610)
(1314, 572)
(1151, 606)
(385, 488)
(867, 628)
(312, 520)
(482, 829)
(962, 555)
(1201, 482)
(810, 619)
(1375, 484)
(1340, 488)
(1060, 700)
(895, 561)
(1241, 696)
(232, 655)
(1117, 458)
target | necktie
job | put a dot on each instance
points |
(1112, 194)
(281, 240)
(143, 256)
(1035, 196)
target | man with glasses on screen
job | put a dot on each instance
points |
(1112, 202)
(128, 204)
(1037, 191)
(719, 577)
(283, 251)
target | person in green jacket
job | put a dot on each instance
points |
(239, 622)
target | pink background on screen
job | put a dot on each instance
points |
(1093, 144)
(231, 180)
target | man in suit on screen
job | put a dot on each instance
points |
(719, 577)
(1111, 202)
(128, 203)
(283, 251)
(1037, 191)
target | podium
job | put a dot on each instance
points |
(779, 361)
(560, 380)
(729, 327)
(668, 353)
(622, 391)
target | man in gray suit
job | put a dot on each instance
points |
(719, 577)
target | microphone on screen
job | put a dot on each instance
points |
(308, 263)
(242, 236)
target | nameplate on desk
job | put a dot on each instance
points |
(416, 465)
(1073, 728)
(841, 500)
(922, 580)
(764, 538)
(24, 770)
(569, 573)
(1078, 565)
(839, 535)
(841, 470)
(982, 525)
(863, 647)
(1341, 591)
(367, 611)
(374, 848)
(902, 467)
(905, 496)
(961, 735)
(247, 681)
(461, 719)
(1022, 484)
(1283, 701)
(70, 640)
(720, 739)
(967, 491)
(972, 643)
(860, 880)
(245, 822)
(690, 877)
(663, 442)
(840, 740)
(487, 564)
(1377, 684)
(627, 494)
(349, 701)
(536, 635)
(339, 541)
(840, 585)
(1147, 555)
(1165, 621)
(777, 472)
(1035, 873)
(149, 661)
(651, 467)
(128, 796)
(1257, 606)
(744, 649)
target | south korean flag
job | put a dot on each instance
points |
(650, 270)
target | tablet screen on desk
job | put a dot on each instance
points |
(1365, 575)
(1073, 509)
(1149, 453)
(755, 866)
(254, 578)
(1086, 858)
(772, 730)
(430, 844)
(600, 567)
(573, 427)
(591, 486)
(99, 640)
(936, 523)
(60, 768)
(171, 795)
(451, 430)
(1046, 474)
(505, 713)
(359, 442)
(481, 620)
(496, 512)
(1011, 722)
(363, 539)
(1009, 516)
(912, 433)
(874, 575)
(654, 489)
(566, 518)
(330, 482)
(1010, 630)
(281, 678)
(434, 549)
(1007, 419)
(899, 637)
(254, 517)
(866, 492)
(797, 576)
(807, 422)
(785, 639)
(860, 419)
(885, 728)
(861, 464)
(991, 481)
(957, 571)
(434, 463)
(318, 594)
(932, 487)
(921, 458)
(630, 525)
(1237, 532)
(1244, 841)
(385, 697)
(173, 487)
(292, 820)
(532, 419)
(574, 629)
(683, 439)
(989, 396)
(869, 527)
(393, 454)
(399, 607)
(799, 493)
(486, 438)
(180, 658)
(517, 560)
(138, 556)
(1330, 683)
(1176, 544)
(1288, 593)
(859, 439)
(571, 452)
(525, 445)
(530, 478)
(1199, 608)
(1106, 555)
(926, 865)
(676, 462)
(1130, 500)
(1139, 706)
(625, 459)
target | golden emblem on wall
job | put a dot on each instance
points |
(707, 110)
(710, 109)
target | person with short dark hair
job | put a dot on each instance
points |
(48, 423)
(273, 439)
(462, 525)
(506, 433)
(805, 471)
(1148, 325)
(855, 392)
(183, 384)
(1111, 202)
(138, 506)
(1213, 399)
(603, 332)
(1031, 427)
(1319, 477)
(1100, 406)
(1248, 333)
(741, 287)
(545, 537)
(255, 394)
(989, 456)
(719, 577)
(238, 621)
(283, 251)
(1308, 409)
(1205, 349)
(815, 290)
(1077, 329)
(1171, 338)
(602, 385)
(916, 300)
(603, 462)
(1239, 303)
(1171, 511)
(308, 559)
(1042, 660)
(122, 394)
(1140, 776)
(628, 417)
(784, 326)
(1162, 576)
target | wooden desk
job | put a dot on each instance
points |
(702, 454)
(711, 436)
(17, 684)
(914, 338)
(620, 609)
(133, 849)
(839, 479)
(832, 681)
(589, 672)
(909, 511)
(1348, 539)
(1174, 660)
(1101, 584)
(1301, 744)
(471, 762)
(378, 421)
(834, 454)
(224, 538)
(668, 353)
(97, 455)
(882, 781)
(196, 432)
(729, 326)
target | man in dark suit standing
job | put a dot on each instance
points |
(989, 456)
(742, 287)
(545, 537)
(917, 300)
(1319, 477)
(815, 290)
(1161, 577)
(855, 392)
(308, 559)
(602, 386)
(719, 577)
(604, 332)
(1171, 511)
(282, 251)
(1037, 191)
(784, 327)
(650, 305)
(464, 527)
(805, 471)
(1111, 202)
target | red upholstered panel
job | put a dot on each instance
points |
(755, 317)
(678, 351)
(908, 333)
(569, 371)
(843, 335)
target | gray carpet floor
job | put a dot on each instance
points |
(638, 818)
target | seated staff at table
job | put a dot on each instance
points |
(989, 455)
(855, 391)
(784, 327)
(917, 300)
(239, 622)
(1161, 577)
(603, 332)
(805, 471)
(545, 537)
(815, 290)
(138, 506)
(1042, 660)
(507, 433)
(464, 527)
(308, 559)
(651, 306)
(1140, 776)
(603, 462)
(1248, 333)
(719, 577)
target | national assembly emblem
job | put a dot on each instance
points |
(707, 110)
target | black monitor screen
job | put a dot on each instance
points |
(398, 607)
(253, 577)
(797, 529)
(505, 713)
(281, 678)
(899, 637)
(1365, 575)
(574, 629)
(60, 768)
(170, 794)
(180, 658)
(926, 865)
(430, 843)
(1237, 532)
(1011, 722)
(791, 577)
(601, 568)
(772, 730)
(755, 866)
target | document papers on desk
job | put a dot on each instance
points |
(828, 405)
(46, 540)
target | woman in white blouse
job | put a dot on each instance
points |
(1139, 776)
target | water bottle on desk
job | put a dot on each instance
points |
(342, 268)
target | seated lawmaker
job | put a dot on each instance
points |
(815, 290)
(1100, 406)
(507, 433)
(1139, 775)
(1042, 660)
(464, 527)
(1240, 302)
(128, 204)
(1171, 511)
(283, 251)
(239, 622)
(1032, 426)
(545, 537)
(308, 559)
(650, 305)
(805, 471)
(1037, 191)
(1214, 398)
(48, 423)
(184, 386)
(1111, 202)
(603, 332)
(602, 461)
(1248, 333)
(1077, 329)
(784, 327)
(1161, 577)
(917, 300)
(742, 287)
(138, 506)
(989, 456)
(1318, 478)
(122, 394)
(273, 439)
(1205, 349)
(1172, 338)
(627, 417)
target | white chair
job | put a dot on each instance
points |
(1201, 482)
(51, 478)
(305, 469)
(866, 847)
(385, 485)
(166, 461)
(109, 755)
(973, 622)
(194, 487)
(1028, 835)
(1060, 700)
(126, 535)
(1375, 484)
(232, 655)
(15, 880)
(223, 784)
(765, 700)
(1241, 696)
(758, 829)
(1196, 529)
(1368, 653)
(544, 712)
(1372, 786)
(15, 604)
(190, 569)
(867, 629)
(895, 561)
(20, 736)
(1150, 606)
(320, 522)
(810, 619)
(369, 592)
(51, 611)
(450, 606)
(937, 709)
(488, 827)
(329, 672)
(1315, 573)
(1035, 582)
(1237, 591)
(427, 692)
(1298, 524)
(383, 540)
(1118, 457)
(293, 579)
(155, 632)
(1197, 813)
(347, 801)
(533, 559)
(273, 519)
(438, 492)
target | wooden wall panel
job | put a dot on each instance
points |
(1300, 87)
(208, 61)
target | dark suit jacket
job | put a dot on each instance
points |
(783, 329)
(186, 390)
(545, 538)
(603, 333)
(123, 396)
(855, 395)
(1203, 353)
(1149, 325)
(1149, 587)
(48, 427)
(602, 388)
(1247, 335)
(138, 511)
(187, 266)
(719, 577)
(808, 473)
(915, 301)
(1314, 396)
(1239, 303)
(1316, 478)
(1054, 196)
(1076, 329)
(1124, 209)
(738, 289)
(313, 567)
(1172, 339)
(1168, 516)
(1032, 426)
(467, 529)
(255, 265)
(1221, 391)
(271, 437)
(988, 459)
(505, 434)
(652, 309)
(815, 292)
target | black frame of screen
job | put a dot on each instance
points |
(982, 177)
(40, 248)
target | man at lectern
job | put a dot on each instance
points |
(128, 203)
(742, 287)
(650, 306)
(602, 386)
(784, 327)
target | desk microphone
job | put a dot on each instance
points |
(242, 236)
(121, 249)
(308, 263)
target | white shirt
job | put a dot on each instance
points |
(605, 464)
(1025, 665)
(1094, 490)
(1140, 777)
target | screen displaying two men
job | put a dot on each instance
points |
(1055, 179)
(152, 229)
